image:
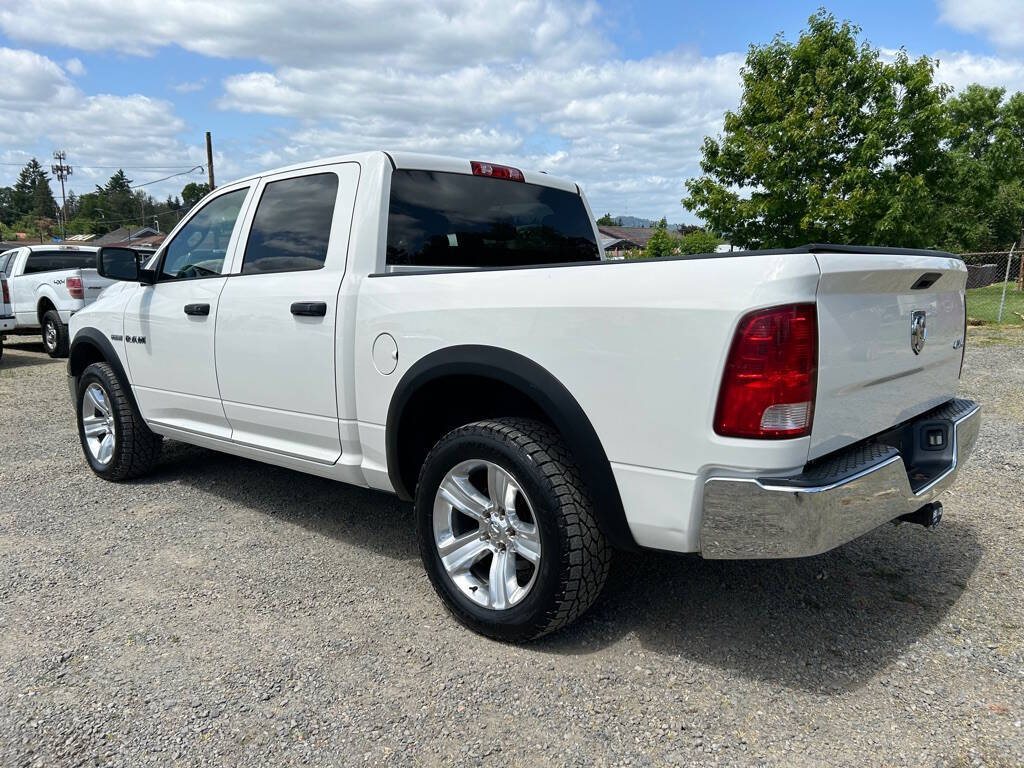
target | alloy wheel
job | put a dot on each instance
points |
(486, 534)
(98, 424)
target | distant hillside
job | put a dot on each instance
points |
(635, 221)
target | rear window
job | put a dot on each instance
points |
(54, 261)
(456, 220)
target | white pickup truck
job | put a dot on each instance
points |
(47, 285)
(449, 331)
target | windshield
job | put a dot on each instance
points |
(456, 220)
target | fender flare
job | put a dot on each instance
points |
(44, 291)
(548, 393)
(95, 338)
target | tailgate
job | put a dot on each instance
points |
(93, 284)
(869, 375)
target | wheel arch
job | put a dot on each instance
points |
(516, 379)
(91, 346)
(44, 305)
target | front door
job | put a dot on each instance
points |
(277, 317)
(169, 326)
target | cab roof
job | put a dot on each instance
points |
(416, 161)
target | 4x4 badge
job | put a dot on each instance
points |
(918, 330)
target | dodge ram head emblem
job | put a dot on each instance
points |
(918, 331)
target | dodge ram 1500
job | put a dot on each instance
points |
(449, 331)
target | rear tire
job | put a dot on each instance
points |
(55, 335)
(540, 538)
(115, 440)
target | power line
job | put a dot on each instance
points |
(165, 178)
(121, 167)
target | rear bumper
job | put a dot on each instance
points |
(838, 499)
(7, 323)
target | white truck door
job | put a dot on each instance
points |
(23, 289)
(276, 326)
(169, 326)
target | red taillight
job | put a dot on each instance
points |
(7, 293)
(497, 171)
(74, 285)
(771, 375)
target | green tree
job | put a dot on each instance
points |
(662, 223)
(608, 221)
(698, 242)
(830, 143)
(193, 193)
(31, 194)
(982, 191)
(660, 244)
(7, 210)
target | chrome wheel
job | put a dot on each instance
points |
(50, 336)
(98, 424)
(486, 534)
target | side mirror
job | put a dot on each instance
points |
(117, 263)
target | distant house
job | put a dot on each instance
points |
(145, 241)
(122, 235)
(617, 239)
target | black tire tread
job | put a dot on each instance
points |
(63, 340)
(139, 447)
(587, 558)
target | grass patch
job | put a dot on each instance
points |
(983, 304)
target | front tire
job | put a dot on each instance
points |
(507, 531)
(117, 443)
(55, 335)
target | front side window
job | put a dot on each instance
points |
(292, 225)
(456, 220)
(199, 249)
(55, 261)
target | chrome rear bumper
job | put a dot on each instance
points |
(843, 497)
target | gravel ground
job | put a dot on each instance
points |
(224, 612)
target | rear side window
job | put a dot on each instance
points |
(54, 261)
(292, 226)
(456, 220)
(5, 261)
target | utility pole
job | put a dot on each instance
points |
(62, 171)
(209, 159)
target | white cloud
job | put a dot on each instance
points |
(1001, 21)
(189, 86)
(41, 109)
(534, 83)
(74, 67)
(961, 68)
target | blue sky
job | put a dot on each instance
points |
(616, 94)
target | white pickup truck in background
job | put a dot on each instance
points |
(450, 331)
(47, 285)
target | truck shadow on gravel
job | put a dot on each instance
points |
(371, 520)
(826, 624)
(14, 358)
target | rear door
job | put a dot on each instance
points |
(169, 326)
(891, 335)
(277, 320)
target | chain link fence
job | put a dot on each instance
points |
(994, 287)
